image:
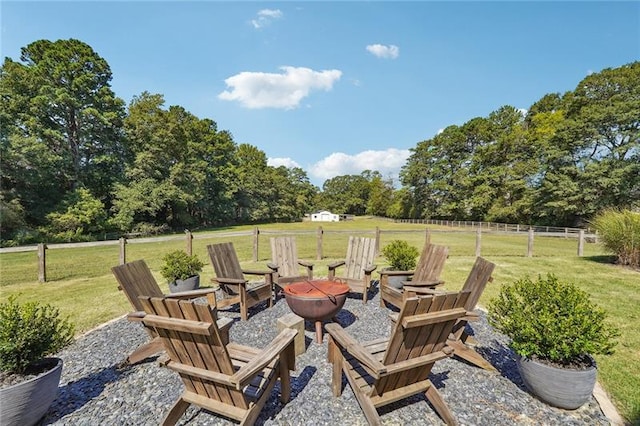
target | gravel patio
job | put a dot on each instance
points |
(96, 388)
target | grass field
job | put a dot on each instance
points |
(80, 283)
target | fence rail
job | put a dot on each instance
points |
(477, 228)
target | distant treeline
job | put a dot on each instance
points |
(77, 162)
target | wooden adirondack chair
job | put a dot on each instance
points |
(460, 340)
(232, 282)
(361, 253)
(385, 371)
(232, 380)
(426, 275)
(135, 279)
(285, 262)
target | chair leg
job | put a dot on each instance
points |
(145, 351)
(335, 357)
(440, 406)
(176, 412)
(285, 379)
(470, 355)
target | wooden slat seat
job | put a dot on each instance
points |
(426, 275)
(358, 265)
(135, 279)
(231, 278)
(385, 371)
(231, 380)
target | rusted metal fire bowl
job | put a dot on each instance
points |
(316, 300)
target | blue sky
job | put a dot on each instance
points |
(338, 87)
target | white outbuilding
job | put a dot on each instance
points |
(324, 216)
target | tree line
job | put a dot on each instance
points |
(78, 162)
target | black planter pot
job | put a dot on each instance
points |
(191, 283)
(25, 403)
(560, 387)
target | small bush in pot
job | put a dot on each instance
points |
(401, 255)
(178, 265)
(29, 381)
(556, 326)
(29, 332)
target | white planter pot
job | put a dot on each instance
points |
(560, 387)
(25, 403)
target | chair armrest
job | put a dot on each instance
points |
(370, 268)
(419, 290)
(430, 283)
(471, 316)
(266, 356)
(224, 323)
(191, 294)
(344, 340)
(334, 265)
(229, 280)
(136, 316)
(272, 266)
(393, 273)
(306, 264)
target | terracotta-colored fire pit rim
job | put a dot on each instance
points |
(316, 288)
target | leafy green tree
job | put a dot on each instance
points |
(346, 194)
(594, 156)
(58, 106)
(380, 195)
(79, 215)
(179, 171)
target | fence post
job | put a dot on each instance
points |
(566, 233)
(377, 242)
(427, 236)
(123, 250)
(478, 242)
(256, 232)
(42, 263)
(530, 243)
(518, 228)
(189, 237)
(319, 243)
(581, 243)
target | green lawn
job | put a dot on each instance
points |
(81, 285)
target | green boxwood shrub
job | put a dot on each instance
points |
(400, 255)
(551, 320)
(29, 332)
(178, 265)
(619, 231)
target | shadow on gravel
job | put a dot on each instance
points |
(503, 359)
(74, 395)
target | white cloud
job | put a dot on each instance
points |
(387, 162)
(523, 111)
(285, 90)
(265, 16)
(383, 51)
(277, 162)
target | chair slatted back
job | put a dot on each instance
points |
(361, 252)
(431, 262)
(225, 260)
(477, 280)
(284, 253)
(430, 320)
(191, 338)
(135, 279)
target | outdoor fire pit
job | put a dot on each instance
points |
(316, 300)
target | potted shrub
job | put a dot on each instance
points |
(401, 257)
(29, 332)
(554, 329)
(181, 271)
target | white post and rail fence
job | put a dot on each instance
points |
(477, 228)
